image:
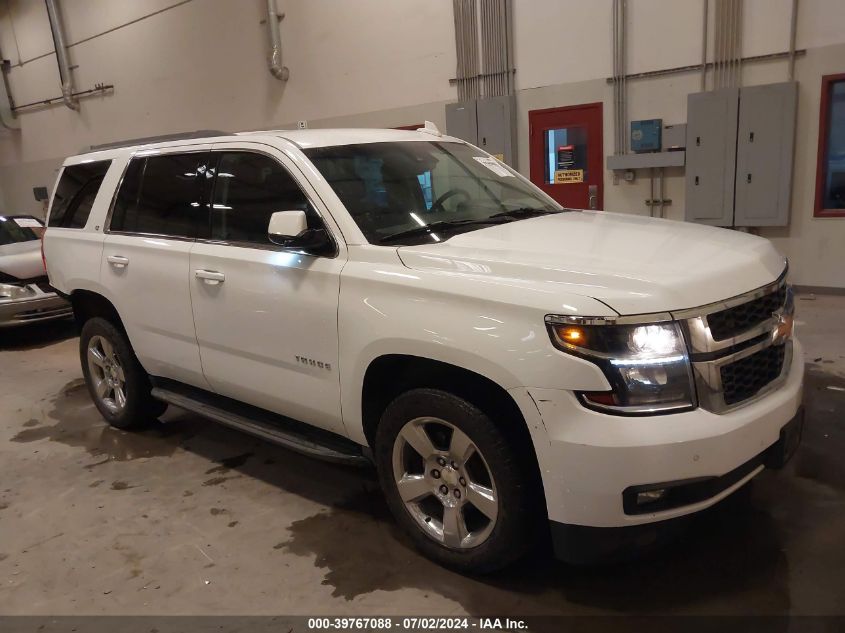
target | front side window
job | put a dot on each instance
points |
(75, 194)
(249, 188)
(830, 186)
(162, 195)
(400, 192)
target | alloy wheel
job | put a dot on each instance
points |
(106, 373)
(445, 483)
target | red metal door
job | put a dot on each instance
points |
(567, 154)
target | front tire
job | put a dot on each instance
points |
(119, 386)
(453, 482)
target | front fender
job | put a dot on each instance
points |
(386, 309)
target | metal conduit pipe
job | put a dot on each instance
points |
(719, 31)
(60, 44)
(274, 57)
(620, 80)
(615, 41)
(704, 46)
(732, 42)
(459, 50)
(484, 42)
(623, 62)
(793, 27)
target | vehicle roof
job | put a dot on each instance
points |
(302, 138)
(348, 136)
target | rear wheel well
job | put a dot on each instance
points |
(87, 305)
(391, 375)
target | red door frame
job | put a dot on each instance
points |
(592, 118)
(824, 121)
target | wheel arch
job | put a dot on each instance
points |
(88, 304)
(390, 375)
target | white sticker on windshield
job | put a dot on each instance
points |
(493, 165)
(28, 223)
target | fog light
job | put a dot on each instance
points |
(650, 496)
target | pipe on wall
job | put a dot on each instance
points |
(620, 79)
(60, 43)
(7, 114)
(793, 27)
(496, 47)
(705, 12)
(274, 58)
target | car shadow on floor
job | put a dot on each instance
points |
(731, 553)
(734, 558)
(36, 335)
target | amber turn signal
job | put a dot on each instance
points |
(571, 334)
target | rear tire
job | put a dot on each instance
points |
(119, 386)
(453, 482)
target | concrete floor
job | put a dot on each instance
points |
(191, 518)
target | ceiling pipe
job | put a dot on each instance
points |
(274, 59)
(7, 113)
(59, 42)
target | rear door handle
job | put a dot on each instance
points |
(211, 277)
(118, 261)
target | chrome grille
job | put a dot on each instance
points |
(736, 351)
(736, 320)
(745, 378)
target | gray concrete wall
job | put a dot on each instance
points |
(201, 64)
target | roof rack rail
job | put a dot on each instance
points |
(181, 136)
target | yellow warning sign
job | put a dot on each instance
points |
(563, 176)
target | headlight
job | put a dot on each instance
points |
(646, 364)
(12, 291)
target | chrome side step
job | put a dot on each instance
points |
(266, 425)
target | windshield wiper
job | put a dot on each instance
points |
(443, 225)
(523, 212)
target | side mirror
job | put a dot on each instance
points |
(285, 226)
(290, 228)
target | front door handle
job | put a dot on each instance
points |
(118, 261)
(593, 193)
(211, 277)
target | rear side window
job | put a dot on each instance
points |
(75, 193)
(161, 195)
(249, 188)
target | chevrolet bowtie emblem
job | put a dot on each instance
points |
(782, 331)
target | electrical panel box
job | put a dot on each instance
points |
(645, 135)
(497, 127)
(712, 119)
(462, 121)
(674, 137)
(740, 151)
(489, 123)
(764, 154)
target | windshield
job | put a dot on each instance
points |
(19, 229)
(395, 191)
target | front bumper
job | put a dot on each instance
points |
(42, 306)
(589, 459)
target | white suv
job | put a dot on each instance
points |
(514, 369)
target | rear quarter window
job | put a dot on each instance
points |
(162, 195)
(75, 194)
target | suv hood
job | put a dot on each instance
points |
(634, 264)
(22, 259)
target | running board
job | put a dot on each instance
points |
(290, 434)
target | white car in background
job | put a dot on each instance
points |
(25, 294)
(515, 370)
